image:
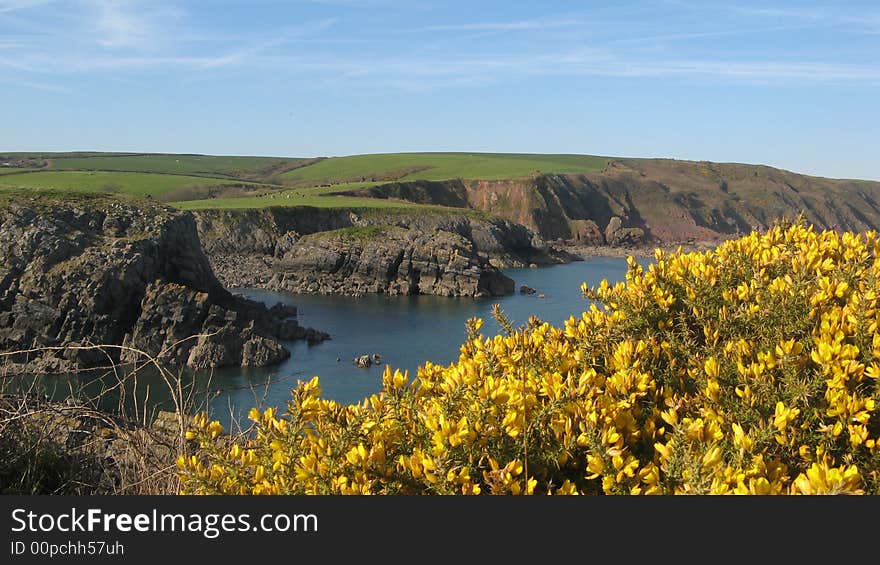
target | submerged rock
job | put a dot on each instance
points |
(367, 360)
(363, 361)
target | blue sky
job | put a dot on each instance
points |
(788, 84)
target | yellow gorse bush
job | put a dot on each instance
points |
(749, 369)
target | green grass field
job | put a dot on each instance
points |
(176, 164)
(442, 166)
(15, 170)
(295, 199)
(185, 179)
(136, 184)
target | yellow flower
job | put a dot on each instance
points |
(711, 367)
(712, 457)
(215, 429)
(734, 364)
(783, 416)
(822, 479)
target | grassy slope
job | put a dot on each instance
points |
(159, 174)
(140, 184)
(49, 198)
(176, 164)
(442, 166)
(319, 197)
(110, 174)
(294, 198)
(151, 174)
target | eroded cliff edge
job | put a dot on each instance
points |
(651, 202)
(358, 251)
(101, 272)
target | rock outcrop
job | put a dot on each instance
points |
(367, 360)
(616, 235)
(87, 272)
(390, 260)
(341, 251)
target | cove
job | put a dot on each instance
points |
(405, 331)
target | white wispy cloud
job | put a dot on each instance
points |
(335, 2)
(117, 26)
(751, 71)
(691, 35)
(115, 37)
(802, 13)
(7, 43)
(132, 35)
(65, 65)
(506, 26)
(130, 23)
(47, 87)
(831, 16)
(457, 71)
(15, 5)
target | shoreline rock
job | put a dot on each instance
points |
(348, 252)
(399, 261)
(80, 274)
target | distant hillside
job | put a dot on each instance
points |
(670, 201)
(591, 200)
(383, 167)
(237, 167)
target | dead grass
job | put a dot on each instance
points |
(82, 446)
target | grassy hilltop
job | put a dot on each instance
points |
(197, 181)
(441, 166)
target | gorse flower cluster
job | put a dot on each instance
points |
(749, 369)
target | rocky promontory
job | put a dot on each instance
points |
(390, 260)
(79, 273)
(345, 251)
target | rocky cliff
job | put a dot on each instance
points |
(100, 272)
(655, 201)
(390, 260)
(346, 251)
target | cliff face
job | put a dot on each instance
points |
(80, 274)
(663, 201)
(389, 260)
(679, 200)
(353, 252)
(554, 207)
